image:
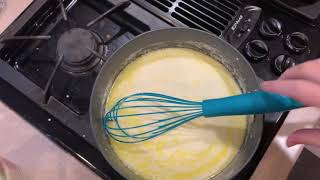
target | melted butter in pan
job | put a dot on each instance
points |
(197, 150)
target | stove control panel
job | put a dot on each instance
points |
(273, 40)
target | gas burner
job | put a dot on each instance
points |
(76, 46)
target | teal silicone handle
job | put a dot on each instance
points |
(258, 102)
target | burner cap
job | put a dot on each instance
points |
(74, 45)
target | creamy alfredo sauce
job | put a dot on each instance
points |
(197, 150)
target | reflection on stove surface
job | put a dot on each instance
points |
(84, 41)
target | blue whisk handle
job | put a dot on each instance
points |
(258, 102)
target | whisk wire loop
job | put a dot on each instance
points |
(170, 112)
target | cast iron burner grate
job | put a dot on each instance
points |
(60, 52)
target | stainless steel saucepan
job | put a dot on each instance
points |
(175, 37)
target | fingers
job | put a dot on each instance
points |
(302, 83)
(304, 136)
(306, 92)
(307, 71)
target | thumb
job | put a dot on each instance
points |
(304, 136)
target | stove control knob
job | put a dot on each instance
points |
(281, 63)
(270, 28)
(256, 50)
(297, 42)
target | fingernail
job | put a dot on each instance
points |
(289, 143)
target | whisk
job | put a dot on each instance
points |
(143, 116)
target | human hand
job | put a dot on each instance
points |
(302, 83)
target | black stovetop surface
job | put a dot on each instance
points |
(59, 109)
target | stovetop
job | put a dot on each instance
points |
(51, 55)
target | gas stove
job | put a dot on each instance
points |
(51, 54)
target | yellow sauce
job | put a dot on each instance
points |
(197, 150)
